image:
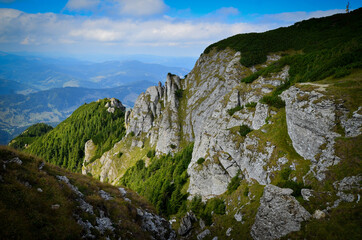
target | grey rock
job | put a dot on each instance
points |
(122, 191)
(106, 196)
(215, 238)
(41, 165)
(307, 193)
(228, 232)
(318, 214)
(348, 183)
(39, 190)
(186, 223)
(87, 226)
(55, 206)
(202, 224)
(157, 225)
(311, 119)
(103, 223)
(279, 214)
(74, 188)
(15, 160)
(238, 216)
(203, 234)
(352, 126)
(261, 113)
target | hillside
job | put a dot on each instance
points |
(261, 140)
(276, 130)
(101, 121)
(42, 201)
(26, 138)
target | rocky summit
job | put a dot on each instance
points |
(261, 140)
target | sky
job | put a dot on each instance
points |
(81, 28)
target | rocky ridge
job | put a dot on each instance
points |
(198, 108)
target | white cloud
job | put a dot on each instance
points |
(76, 5)
(147, 36)
(142, 7)
(56, 28)
(227, 11)
(118, 7)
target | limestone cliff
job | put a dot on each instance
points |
(197, 109)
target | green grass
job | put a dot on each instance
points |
(234, 110)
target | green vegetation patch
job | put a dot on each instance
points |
(244, 130)
(30, 135)
(231, 111)
(64, 145)
(200, 161)
(162, 181)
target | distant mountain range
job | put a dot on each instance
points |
(17, 112)
(40, 73)
(39, 89)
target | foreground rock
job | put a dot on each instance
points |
(279, 214)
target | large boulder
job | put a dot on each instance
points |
(279, 214)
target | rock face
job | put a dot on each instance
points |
(279, 214)
(195, 109)
(199, 108)
(186, 224)
(311, 119)
(160, 227)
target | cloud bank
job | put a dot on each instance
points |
(161, 35)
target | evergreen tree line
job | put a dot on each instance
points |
(64, 145)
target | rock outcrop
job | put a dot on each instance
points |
(279, 214)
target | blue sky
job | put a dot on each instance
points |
(156, 27)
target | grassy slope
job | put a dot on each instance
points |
(26, 213)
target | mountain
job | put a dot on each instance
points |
(275, 120)
(12, 87)
(41, 73)
(17, 112)
(261, 140)
(41, 201)
(101, 121)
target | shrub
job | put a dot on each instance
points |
(342, 72)
(173, 146)
(119, 155)
(179, 93)
(274, 101)
(197, 206)
(234, 183)
(200, 160)
(246, 191)
(140, 164)
(234, 110)
(244, 130)
(151, 153)
(132, 134)
(250, 105)
(285, 173)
